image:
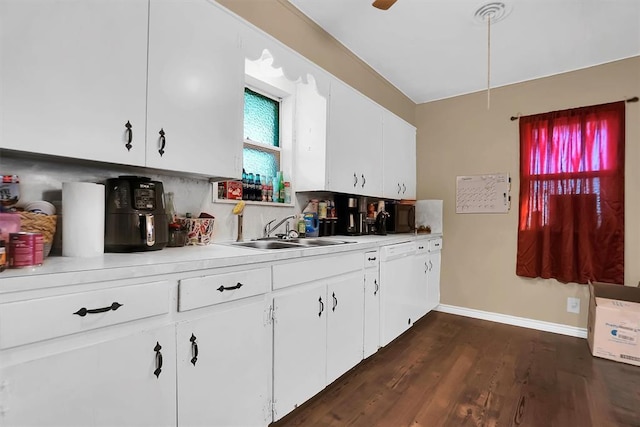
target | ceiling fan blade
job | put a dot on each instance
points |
(383, 4)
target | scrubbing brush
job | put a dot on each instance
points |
(237, 210)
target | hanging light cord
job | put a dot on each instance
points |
(488, 17)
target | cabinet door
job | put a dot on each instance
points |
(195, 100)
(299, 346)
(112, 383)
(72, 76)
(371, 311)
(420, 289)
(433, 292)
(224, 365)
(399, 157)
(354, 148)
(345, 327)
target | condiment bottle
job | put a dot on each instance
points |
(3, 256)
(301, 226)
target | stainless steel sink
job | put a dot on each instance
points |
(268, 244)
(317, 242)
(275, 243)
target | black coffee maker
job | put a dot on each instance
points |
(135, 217)
(348, 215)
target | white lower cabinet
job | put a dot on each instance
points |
(299, 346)
(128, 381)
(317, 326)
(345, 321)
(224, 367)
(371, 304)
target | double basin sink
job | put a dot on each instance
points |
(275, 243)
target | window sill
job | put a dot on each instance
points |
(250, 202)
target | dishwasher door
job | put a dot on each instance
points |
(396, 296)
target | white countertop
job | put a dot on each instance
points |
(63, 271)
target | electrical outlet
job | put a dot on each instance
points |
(573, 305)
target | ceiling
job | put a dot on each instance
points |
(435, 49)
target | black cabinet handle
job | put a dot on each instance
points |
(372, 259)
(230, 288)
(163, 142)
(335, 301)
(194, 349)
(129, 134)
(321, 307)
(376, 287)
(364, 180)
(355, 180)
(420, 247)
(157, 349)
(425, 268)
(404, 188)
(84, 311)
(399, 188)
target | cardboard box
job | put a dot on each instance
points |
(614, 322)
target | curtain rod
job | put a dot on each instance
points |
(634, 99)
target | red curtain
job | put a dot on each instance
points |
(571, 224)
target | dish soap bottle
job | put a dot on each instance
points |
(301, 226)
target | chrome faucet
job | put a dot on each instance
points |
(268, 229)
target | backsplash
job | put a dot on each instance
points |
(42, 178)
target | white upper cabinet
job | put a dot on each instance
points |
(354, 148)
(72, 77)
(196, 83)
(399, 158)
(74, 80)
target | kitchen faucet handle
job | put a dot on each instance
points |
(267, 228)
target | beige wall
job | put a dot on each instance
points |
(459, 136)
(286, 23)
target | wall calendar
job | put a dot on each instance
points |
(483, 193)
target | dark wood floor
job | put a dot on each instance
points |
(455, 371)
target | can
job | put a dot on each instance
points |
(26, 249)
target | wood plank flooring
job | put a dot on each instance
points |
(455, 371)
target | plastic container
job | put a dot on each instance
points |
(312, 224)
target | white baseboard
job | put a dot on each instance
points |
(540, 325)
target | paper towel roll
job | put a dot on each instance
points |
(82, 219)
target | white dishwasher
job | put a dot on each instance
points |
(396, 284)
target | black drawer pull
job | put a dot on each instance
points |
(372, 259)
(420, 247)
(335, 301)
(222, 288)
(321, 307)
(376, 286)
(157, 349)
(129, 133)
(194, 349)
(84, 311)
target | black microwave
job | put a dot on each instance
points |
(402, 218)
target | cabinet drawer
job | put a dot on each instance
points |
(203, 291)
(435, 244)
(422, 247)
(306, 271)
(35, 320)
(371, 259)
